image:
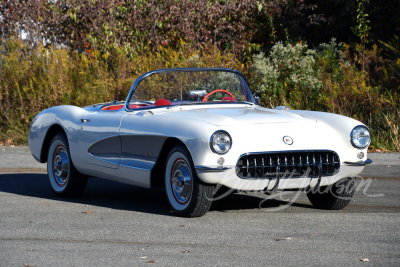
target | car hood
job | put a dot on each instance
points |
(224, 116)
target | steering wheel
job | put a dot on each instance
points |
(216, 91)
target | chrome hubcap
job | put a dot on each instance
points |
(60, 166)
(181, 181)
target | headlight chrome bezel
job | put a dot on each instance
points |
(352, 136)
(212, 139)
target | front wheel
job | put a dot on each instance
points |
(186, 194)
(333, 197)
(65, 180)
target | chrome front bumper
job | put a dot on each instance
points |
(358, 163)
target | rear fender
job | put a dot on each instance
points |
(51, 121)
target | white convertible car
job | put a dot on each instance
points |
(195, 130)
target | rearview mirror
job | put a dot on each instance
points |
(257, 97)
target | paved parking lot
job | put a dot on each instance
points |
(119, 225)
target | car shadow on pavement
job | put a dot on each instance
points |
(252, 200)
(109, 194)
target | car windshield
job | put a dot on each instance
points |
(191, 86)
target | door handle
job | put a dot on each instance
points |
(84, 120)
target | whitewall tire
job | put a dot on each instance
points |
(186, 194)
(65, 180)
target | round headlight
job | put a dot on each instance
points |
(220, 142)
(360, 137)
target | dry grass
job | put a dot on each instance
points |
(33, 80)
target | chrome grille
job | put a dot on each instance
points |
(288, 164)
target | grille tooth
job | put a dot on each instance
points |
(247, 167)
(278, 166)
(289, 164)
(270, 164)
(293, 164)
(263, 165)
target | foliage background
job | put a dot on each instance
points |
(340, 56)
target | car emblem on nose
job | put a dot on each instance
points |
(288, 140)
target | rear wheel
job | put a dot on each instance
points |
(65, 180)
(186, 194)
(333, 197)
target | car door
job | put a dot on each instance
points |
(99, 141)
(140, 147)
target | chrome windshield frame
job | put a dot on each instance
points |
(150, 73)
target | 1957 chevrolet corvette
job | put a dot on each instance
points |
(193, 130)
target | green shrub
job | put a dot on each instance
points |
(287, 75)
(324, 80)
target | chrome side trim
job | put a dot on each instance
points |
(103, 160)
(135, 168)
(358, 163)
(212, 169)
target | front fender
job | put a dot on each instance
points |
(343, 126)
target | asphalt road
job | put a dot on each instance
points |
(119, 225)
